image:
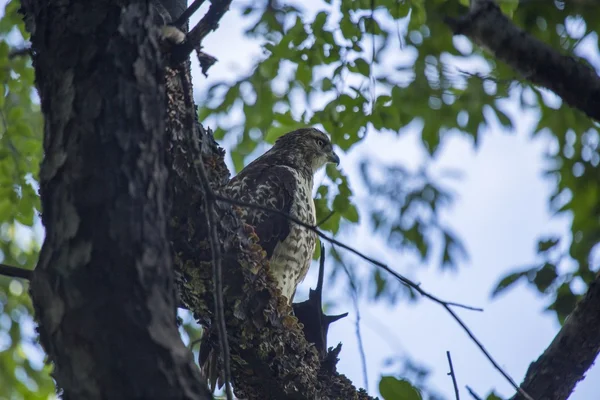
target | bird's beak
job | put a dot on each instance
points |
(333, 158)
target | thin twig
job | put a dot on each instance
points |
(361, 348)
(215, 247)
(473, 394)
(333, 241)
(446, 305)
(187, 14)
(326, 218)
(453, 376)
(15, 272)
(208, 23)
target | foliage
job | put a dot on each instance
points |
(23, 374)
(392, 388)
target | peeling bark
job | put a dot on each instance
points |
(103, 288)
(554, 375)
(576, 83)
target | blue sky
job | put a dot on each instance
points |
(500, 211)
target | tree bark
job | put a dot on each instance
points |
(555, 373)
(576, 83)
(103, 289)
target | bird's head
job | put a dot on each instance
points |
(307, 147)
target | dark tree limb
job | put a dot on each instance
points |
(182, 20)
(15, 272)
(207, 24)
(576, 83)
(554, 375)
(103, 288)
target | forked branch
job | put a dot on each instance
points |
(576, 83)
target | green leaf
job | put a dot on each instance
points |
(380, 283)
(504, 119)
(392, 388)
(363, 66)
(509, 7)
(545, 277)
(510, 280)
(493, 396)
(351, 214)
(547, 244)
(564, 302)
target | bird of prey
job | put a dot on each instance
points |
(282, 179)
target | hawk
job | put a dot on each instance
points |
(282, 179)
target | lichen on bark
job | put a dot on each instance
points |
(270, 357)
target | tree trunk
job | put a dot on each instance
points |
(103, 289)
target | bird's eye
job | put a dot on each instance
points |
(321, 142)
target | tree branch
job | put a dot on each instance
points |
(453, 376)
(555, 373)
(15, 272)
(576, 83)
(207, 24)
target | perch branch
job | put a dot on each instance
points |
(576, 83)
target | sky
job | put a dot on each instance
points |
(500, 211)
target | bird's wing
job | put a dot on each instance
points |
(270, 186)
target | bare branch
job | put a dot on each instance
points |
(473, 394)
(576, 83)
(207, 24)
(333, 241)
(15, 272)
(453, 376)
(187, 14)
